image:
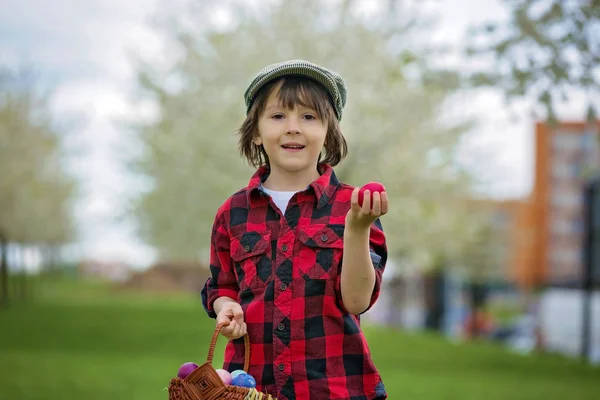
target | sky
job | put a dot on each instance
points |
(83, 50)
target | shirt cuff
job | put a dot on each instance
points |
(209, 295)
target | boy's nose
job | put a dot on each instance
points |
(293, 125)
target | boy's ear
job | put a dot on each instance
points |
(257, 140)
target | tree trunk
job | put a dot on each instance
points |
(4, 297)
(434, 300)
(46, 262)
(51, 266)
(54, 261)
(23, 282)
(477, 301)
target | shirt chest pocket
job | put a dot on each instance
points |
(251, 255)
(321, 249)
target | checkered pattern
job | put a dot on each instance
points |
(285, 272)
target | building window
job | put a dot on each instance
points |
(568, 199)
(561, 170)
(566, 142)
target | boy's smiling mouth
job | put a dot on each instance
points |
(293, 146)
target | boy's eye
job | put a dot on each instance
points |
(310, 117)
(277, 116)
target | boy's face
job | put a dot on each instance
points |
(293, 139)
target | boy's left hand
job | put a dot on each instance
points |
(361, 218)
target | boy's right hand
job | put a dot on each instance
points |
(232, 316)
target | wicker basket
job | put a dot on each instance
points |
(205, 384)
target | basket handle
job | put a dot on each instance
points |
(213, 343)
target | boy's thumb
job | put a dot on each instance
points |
(224, 318)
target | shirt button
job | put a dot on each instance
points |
(324, 238)
(284, 247)
(247, 248)
(281, 367)
(281, 327)
(283, 286)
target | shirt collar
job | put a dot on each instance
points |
(324, 186)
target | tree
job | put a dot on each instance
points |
(545, 50)
(36, 192)
(392, 120)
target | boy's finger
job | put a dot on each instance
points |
(376, 209)
(366, 207)
(238, 314)
(236, 331)
(354, 199)
(227, 330)
(384, 203)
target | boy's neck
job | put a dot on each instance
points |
(286, 181)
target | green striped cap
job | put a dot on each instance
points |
(333, 83)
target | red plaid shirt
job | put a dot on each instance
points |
(284, 270)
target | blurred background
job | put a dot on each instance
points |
(118, 142)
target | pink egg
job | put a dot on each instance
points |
(224, 375)
(372, 187)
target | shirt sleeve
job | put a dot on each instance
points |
(222, 280)
(379, 254)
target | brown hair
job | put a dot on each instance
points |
(294, 90)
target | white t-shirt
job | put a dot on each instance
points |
(281, 199)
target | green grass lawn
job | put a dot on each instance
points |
(97, 344)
